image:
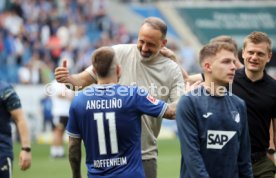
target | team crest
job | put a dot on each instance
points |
(152, 99)
(235, 116)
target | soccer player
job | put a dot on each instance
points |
(107, 117)
(10, 108)
(143, 65)
(212, 122)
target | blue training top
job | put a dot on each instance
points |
(107, 119)
(214, 137)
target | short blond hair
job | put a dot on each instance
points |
(226, 39)
(211, 49)
(256, 38)
(103, 61)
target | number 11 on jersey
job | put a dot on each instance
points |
(110, 116)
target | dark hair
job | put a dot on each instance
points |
(212, 49)
(256, 38)
(156, 23)
(226, 39)
(102, 60)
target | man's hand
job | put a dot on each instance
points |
(270, 154)
(25, 160)
(189, 87)
(62, 73)
(169, 54)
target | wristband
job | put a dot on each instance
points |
(271, 151)
(27, 149)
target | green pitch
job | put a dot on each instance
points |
(44, 167)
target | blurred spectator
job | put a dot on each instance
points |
(46, 109)
(47, 69)
(12, 22)
(54, 29)
(24, 74)
(54, 45)
(61, 98)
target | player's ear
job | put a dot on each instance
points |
(243, 54)
(207, 67)
(164, 42)
(269, 57)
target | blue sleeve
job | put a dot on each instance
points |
(147, 104)
(72, 128)
(244, 158)
(11, 98)
(189, 139)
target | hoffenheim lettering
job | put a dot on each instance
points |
(110, 162)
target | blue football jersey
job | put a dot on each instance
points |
(107, 119)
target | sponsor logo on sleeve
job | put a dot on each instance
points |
(218, 139)
(152, 99)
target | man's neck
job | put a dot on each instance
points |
(214, 88)
(254, 76)
(107, 81)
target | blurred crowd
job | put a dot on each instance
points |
(35, 35)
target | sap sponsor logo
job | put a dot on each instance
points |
(218, 139)
(152, 99)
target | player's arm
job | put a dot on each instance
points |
(80, 80)
(25, 156)
(171, 55)
(13, 104)
(75, 156)
(244, 157)
(75, 81)
(271, 149)
(189, 138)
(273, 130)
(187, 78)
(194, 78)
(170, 111)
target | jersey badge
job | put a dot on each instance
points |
(235, 116)
(152, 99)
